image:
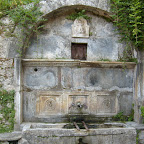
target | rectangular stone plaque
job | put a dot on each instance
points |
(106, 104)
(48, 105)
(80, 28)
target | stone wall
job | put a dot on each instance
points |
(56, 34)
(6, 63)
(52, 89)
(6, 83)
(55, 40)
(7, 74)
(139, 88)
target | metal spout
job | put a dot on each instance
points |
(79, 105)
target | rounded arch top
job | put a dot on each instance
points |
(52, 8)
(98, 7)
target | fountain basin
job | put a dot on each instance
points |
(107, 133)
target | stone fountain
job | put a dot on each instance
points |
(67, 101)
(64, 94)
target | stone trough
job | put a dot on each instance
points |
(59, 133)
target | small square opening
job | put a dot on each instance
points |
(79, 51)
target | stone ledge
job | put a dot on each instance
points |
(79, 63)
(140, 131)
(135, 125)
(11, 136)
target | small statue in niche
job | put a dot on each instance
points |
(80, 28)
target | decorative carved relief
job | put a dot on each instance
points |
(48, 105)
(80, 28)
(106, 104)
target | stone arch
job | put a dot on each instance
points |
(91, 5)
(51, 8)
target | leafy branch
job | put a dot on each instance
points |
(128, 16)
(25, 15)
(7, 111)
(77, 15)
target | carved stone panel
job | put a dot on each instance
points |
(80, 28)
(106, 104)
(48, 105)
(78, 104)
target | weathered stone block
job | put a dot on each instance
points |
(141, 137)
(23, 141)
(10, 136)
(106, 104)
(41, 77)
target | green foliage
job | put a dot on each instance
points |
(77, 15)
(131, 116)
(102, 59)
(121, 59)
(142, 112)
(121, 117)
(10, 4)
(137, 136)
(24, 17)
(24, 14)
(90, 33)
(128, 16)
(7, 111)
(127, 59)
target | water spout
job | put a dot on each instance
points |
(78, 105)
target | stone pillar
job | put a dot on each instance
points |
(139, 87)
(18, 95)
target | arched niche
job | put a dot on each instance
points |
(54, 14)
(55, 40)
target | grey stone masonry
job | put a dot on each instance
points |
(139, 88)
(6, 73)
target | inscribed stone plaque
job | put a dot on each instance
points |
(80, 28)
(48, 105)
(106, 104)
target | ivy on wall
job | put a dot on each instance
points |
(77, 15)
(10, 4)
(7, 112)
(24, 14)
(128, 16)
(142, 112)
(121, 117)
